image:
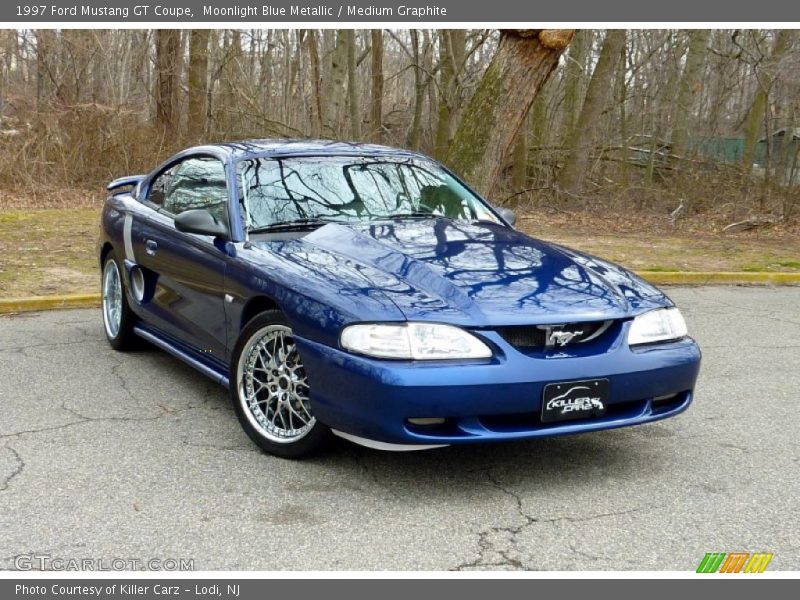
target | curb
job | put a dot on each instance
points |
(719, 277)
(37, 303)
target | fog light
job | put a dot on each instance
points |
(427, 421)
(666, 403)
(137, 283)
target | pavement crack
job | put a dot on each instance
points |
(766, 315)
(84, 419)
(486, 543)
(42, 345)
(16, 472)
(501, 541)
(123, 383)
(250, 448)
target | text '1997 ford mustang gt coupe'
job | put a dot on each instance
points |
(367, 292)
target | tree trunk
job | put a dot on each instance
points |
(376, 105)
(524, 60)
(139, 76)
(44, 46)
(316, 92)
(452, 48)
(287, 75)
(519, 162)
(621, 94)
(419, 92)
(227, 103)
(352, 87)
(198, 82)
(265, 75)
(76, 48)
(660, 107)
(336, 88)
(755, 116)
(327, 45)
(582, 140)
(166, 92)
(691, 83)
(573, 81)
(3, 69)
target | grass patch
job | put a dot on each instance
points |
(52, 251)
(789, 264)
(45, 252)
(693, 251)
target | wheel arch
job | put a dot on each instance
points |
(107, 247)
(256, 306)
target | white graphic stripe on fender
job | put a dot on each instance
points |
(126, 236)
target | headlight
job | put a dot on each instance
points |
(417, 341)
(658, 325)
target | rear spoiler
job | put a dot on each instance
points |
(122, 182)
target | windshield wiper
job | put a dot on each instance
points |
(301, 223)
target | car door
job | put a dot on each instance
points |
(189, 269)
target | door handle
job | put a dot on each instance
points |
(151, 247)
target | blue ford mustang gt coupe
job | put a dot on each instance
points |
(367, 292)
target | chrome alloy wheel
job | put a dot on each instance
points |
(112, 299)
(273, 387)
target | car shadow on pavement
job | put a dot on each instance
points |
(565, 463)
(549, 462)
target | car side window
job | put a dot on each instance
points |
(159, 187)
(196, 183)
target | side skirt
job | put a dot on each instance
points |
(185, 355)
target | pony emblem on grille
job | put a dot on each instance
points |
(562, 338)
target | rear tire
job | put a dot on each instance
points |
(118, 318)
(269, 390)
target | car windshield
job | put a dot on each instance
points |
(306, 191)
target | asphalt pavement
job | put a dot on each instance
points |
(136, 456)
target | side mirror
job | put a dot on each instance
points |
(200, 221)
(508, 215)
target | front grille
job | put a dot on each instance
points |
(526, 337)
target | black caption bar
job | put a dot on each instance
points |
(466, 11)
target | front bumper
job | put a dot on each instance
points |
(494, 400)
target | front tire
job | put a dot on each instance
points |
(270, 392)
(118, 318)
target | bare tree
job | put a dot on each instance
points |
(352, 87)
(376, 76)
(420, 83)
(765, 77)
(167, 57)
(89, 104)
(198, 82)
(336, 88)
(452, 50)
(44, 47)
(690, 85)
(574, 77)
(581, 140)
(524, 60)
(316, 103)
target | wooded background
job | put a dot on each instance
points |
(671, 121)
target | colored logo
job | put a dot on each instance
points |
(734, 562)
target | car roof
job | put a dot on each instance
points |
(246, 149)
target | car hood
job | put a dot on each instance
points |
(480, 274)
